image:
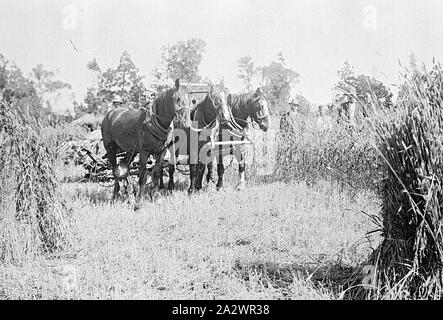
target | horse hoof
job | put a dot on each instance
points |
(210, 179)
(240, 187)
(210, 185)
(171, 187)
(137, 206)
(155, 196)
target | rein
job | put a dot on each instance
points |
(246, 121)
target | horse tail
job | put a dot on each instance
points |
(108, 141)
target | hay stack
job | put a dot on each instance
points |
(409, 260)
(32, 213)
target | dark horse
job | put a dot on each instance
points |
(251, 105)
(206, 118)
(135, 131)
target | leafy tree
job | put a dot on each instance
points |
(44, 80)
(246, 71)
(361, 87)
(124, 80)
(369, 86)
(45, 83)
(180, 60)
(277, 81)
(347, 82)
(14, 85)
(31, 93)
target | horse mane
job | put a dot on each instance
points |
(161, 111)
(241, 99)
(240, 105)
(200, 111)
(163, 102)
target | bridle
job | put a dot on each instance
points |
(145, 125)
(257, 118)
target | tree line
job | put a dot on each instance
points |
(179, 60)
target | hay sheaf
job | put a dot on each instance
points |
(409, 261)
(33, 215)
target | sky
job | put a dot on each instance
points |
(315, 36)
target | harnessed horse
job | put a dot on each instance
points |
(135, 131)
(207, 117)
(242, 106)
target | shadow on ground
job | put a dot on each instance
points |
(93, 195)
(332, 276)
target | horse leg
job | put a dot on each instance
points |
(192, 176)
(156, 176)
(111, 154)
(129, 157)
(241, 171)
(199, 178)
(161, 183)
(171, 185)
(115, 194)
(210, 174)
(125, 186)
(142, 178)
(220, 167)
(220, 172)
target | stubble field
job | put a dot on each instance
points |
(270, 241)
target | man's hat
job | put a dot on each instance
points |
(117, 99)
(294, 102)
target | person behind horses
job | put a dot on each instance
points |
(324, 121)
(117, 101)
(288, 121)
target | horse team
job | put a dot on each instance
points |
(172, 125)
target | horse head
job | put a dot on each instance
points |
(182, 107)
(259, 111)
(218, 96)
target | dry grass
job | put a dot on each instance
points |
(343, 154)
(274, 241)
(33, 218)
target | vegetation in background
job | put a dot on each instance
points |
(276, 80)
(343, 154)
(123, 80)
(362, 87)
(304, 106)
(179, 61)
(246, 72)
(14, 85)
(30, 93)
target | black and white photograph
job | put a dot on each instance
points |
(242, 152)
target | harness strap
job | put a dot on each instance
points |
(153, 125)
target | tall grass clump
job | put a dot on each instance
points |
(33, 216)
(342, 154)
(408, 263)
